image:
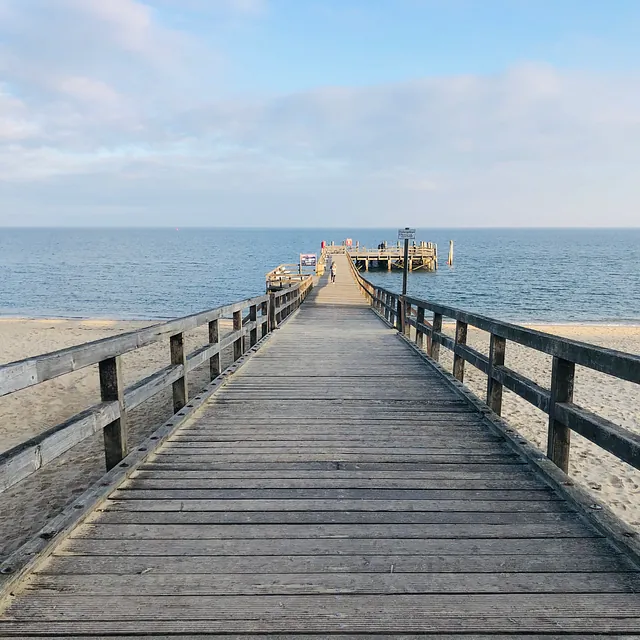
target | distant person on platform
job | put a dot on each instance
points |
(333, 271)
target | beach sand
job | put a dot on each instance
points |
(611, 481)
(26, 507)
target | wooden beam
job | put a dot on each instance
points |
(559, 435)
(31, 371)
(112, 390)
(180, 391)
(496, 359)
(458, 360)
(237, 326)
(214, 339)
(26, 458)
(434, 347)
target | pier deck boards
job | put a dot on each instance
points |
(337, 485)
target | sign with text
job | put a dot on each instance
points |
(308, 260)
(406, 234)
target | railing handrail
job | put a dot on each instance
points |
(18, 375)
(116, 401)
(557, 401)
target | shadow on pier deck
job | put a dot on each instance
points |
(337, 484)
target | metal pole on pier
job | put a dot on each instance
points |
(405, 267)
(406, 234)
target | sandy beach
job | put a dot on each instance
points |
(26, 507)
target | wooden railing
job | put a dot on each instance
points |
(405, 312)
(253, 319)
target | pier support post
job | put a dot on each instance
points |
(178, 356)
(214, 339)
(559, 435)
(496, 359)
(434, 344)
(458, 361)
(115, 433)
(237, 326)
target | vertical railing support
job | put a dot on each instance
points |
(559, 435)
(214, 339)
(496, 359)
(419, 332)
(272, 311)
(264, 313)
(178, 356)
(253, 317)
(115, 433)
(237, 343)
(406, 314)
(458, 361)
(400, 314)
(434, 344)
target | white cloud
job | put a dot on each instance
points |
(99, 93)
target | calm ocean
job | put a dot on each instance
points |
(567, 275)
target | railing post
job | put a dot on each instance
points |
(115, 433)
(419, 333)
(559, 435)
(264, 313)
(406, 312)
(400, 314)
(434, 345)
(178, 356)
(237, 343)
(214, 339)
(272, 311)
(496, 359)
(458, 361)
(253, 317)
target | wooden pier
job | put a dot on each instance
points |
(334, 482)
(421, 257)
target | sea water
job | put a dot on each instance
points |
(522, 275)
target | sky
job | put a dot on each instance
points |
(311, 113)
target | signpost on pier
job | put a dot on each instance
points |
(406, 234)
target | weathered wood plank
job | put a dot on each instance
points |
(146, 388)
(458, 531)
(336, 517)
(336, 505)
(335, 622)
(176, 483)
(285, 608)
(152, 584)
(484, 495)
(23, 460)
(326, 564)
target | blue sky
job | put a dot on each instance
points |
(299, 113)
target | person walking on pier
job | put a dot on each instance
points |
(333, 271)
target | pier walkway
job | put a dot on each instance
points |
(338, 484)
